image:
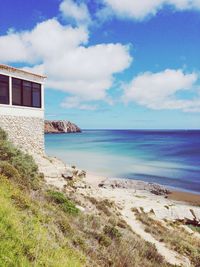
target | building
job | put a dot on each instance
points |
(22, 107)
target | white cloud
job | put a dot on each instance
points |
(48, 39)
(78, 12)
(163, 90)
(60, 52)
(135, 9)
(75, 102)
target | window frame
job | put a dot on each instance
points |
(22, 94)
(8, 85)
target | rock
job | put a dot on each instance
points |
(68, 175)
(134, 184)
(61, 126)
(81, 174)
(79, 185)
(80, 208)
(101, 185)
(159, 190)
(72, 173)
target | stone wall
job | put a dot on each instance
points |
(25, 132)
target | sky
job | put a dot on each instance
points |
(111, 64)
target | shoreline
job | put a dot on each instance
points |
(172, 194)
(191, 198)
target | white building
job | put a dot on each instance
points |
(22, 107)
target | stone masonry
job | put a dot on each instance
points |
(27, 133)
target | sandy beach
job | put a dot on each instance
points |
(127, 197)
(166, 204)
(182, 196)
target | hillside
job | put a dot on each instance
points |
(40, 226)
(61, 126)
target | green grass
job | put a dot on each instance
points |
(65, 204)
(194, 228)
(26, 238)
(28, 235)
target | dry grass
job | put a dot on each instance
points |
(175, 237)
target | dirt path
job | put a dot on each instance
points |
(170, 256)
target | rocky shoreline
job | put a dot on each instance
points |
(60, 126)
(153, 188)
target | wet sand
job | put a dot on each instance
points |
(191, 198)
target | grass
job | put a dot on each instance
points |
(26, 238)
(194, 228)
(175, 237)
(65, 204)
(40, 226)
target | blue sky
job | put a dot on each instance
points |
(110, 63)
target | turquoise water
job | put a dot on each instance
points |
(170, 158)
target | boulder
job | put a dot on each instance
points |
(72, 173)
(68, 174)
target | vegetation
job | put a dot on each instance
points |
(28, 236)
(64, 203)
(40, 226)
(195, 228)
(173, 235)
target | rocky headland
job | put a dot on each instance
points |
(61, 126)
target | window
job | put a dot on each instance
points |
(25, 93)
(16, 92)
(36, 95)
(4, 89)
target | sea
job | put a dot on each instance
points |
(167, 157)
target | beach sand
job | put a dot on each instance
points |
(131, 194)
(170, 205)
(193, 199)
(126, 196)
(182, 196)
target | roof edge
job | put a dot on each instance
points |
(10, 68)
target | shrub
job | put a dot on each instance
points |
(3, 135)
(23, 163)
(111, 231)
(122, 224)
(9, 171)
(79, 242)
(21, 201)
(152, 254)
(64, 225)
(104, 240)
(66, 205)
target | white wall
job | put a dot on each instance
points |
(9, 110)
(22, 111)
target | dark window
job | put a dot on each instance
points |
(4, 89)
(16, 92)
(36, 96)
(26, 93)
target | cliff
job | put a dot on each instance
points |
(61, 126)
